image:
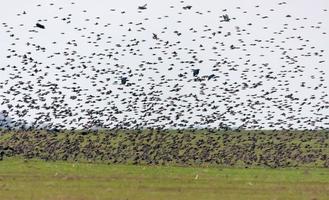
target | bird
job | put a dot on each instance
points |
(144, 7)
(155, 36)
(211, 76)
(195, 72)
(187, 7)
(124, 80)
(40, 26)
(226, 18)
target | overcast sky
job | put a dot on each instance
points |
(290, 37)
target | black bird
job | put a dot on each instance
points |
(40, 26)
(211, 76)
(1, 155)
(195, 72)
(142, 7)
(187, 7)
(124, 80)
(155, 36)
(226, 18)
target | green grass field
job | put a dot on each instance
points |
(35, 179)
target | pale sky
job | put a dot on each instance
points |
(279, 48)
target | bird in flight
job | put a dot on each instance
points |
(144, 7)
(40, 26)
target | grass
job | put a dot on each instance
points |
(36, 180)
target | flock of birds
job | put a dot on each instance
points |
(180, 148)
(191, 68)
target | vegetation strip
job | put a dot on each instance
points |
(173, 147)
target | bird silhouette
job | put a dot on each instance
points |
(40, 26)
(144, 7)
(195, 72)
